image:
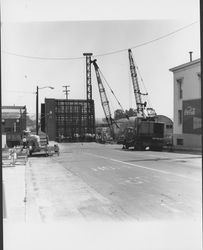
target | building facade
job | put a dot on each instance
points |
(187, 105)
(68, 120)
(13, 124)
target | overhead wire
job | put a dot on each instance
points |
(42, 58)
(147, 97)
(99, 55)
(23, 92)
(112, 92)
(148, 42)
(103, 54)
(143, 84)
(107, 92)
(129, 87)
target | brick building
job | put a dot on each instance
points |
(68, 120)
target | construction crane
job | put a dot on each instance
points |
(104, 100)
(138, 95)
(141, 106)
(146, 132)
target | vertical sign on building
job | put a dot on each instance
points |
(192, 116)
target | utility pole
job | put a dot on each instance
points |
(37, 109)
(66, 90)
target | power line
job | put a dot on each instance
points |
(23, 92)
(42, 58)
(148, 42)
(104, 54)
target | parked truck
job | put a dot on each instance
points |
(36, 143)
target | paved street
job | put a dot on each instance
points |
(104, 182)
(103, 197)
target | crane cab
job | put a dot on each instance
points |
(145, 134)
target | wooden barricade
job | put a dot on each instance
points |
(13, 156)
(21, 156)
(7, 157)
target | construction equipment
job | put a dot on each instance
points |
(147, 132)
(104, 100)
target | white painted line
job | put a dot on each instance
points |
(139, 166)
(174, 210)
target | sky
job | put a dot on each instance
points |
(43, 45)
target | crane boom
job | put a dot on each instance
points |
(140, 105)
(104, 99)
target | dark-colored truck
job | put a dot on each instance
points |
(145, 134)
(13, 139)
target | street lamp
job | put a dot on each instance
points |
(37, 98)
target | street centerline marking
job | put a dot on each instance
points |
(139, 166)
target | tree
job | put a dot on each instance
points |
(131, 112)
(119, 113)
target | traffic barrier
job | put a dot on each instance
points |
(21, 155)
(7, 157)
(16, 155)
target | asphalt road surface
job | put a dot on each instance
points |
(92, 181)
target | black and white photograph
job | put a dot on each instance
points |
(101, 130)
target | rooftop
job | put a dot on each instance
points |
(13, 112)
(185, 65)
(10, 115)
(13, 107)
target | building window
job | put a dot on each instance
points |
(199, 75)
(8, 129)
(180, 117)
(179, 141)
(199, 80)
(168, 126)
(180, 90)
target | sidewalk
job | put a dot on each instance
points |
(14, 185)
(14, 190)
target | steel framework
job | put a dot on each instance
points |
(88, 89)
